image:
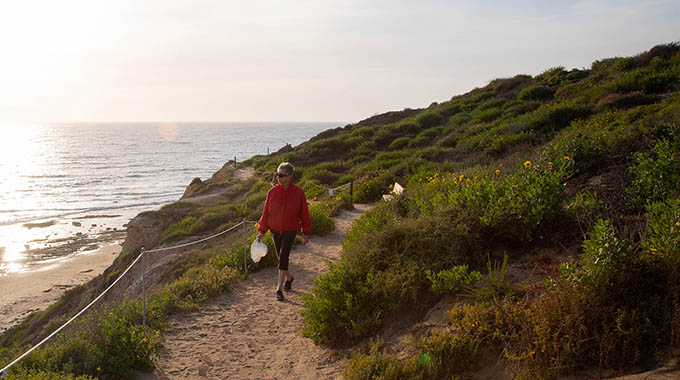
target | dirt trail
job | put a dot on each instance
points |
(247, 334)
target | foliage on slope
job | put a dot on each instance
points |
(484, 171)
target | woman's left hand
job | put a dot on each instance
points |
(305, 239)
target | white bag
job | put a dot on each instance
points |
(258, 250)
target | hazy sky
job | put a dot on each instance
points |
(200, 60)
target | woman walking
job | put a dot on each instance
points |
(285, 211)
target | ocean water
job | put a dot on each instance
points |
(62, 179)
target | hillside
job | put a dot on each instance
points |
(572, 174)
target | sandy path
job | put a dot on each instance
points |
(247, 334)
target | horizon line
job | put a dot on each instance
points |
(5, 123)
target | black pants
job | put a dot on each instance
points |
(283, 243)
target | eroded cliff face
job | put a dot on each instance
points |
(144, 230)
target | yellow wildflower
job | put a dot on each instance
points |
(550, 163)
(527, 163)
(467, 180)
(500, 166)
(567, 158)
(498, 171)
(390, 185)
(461, 177)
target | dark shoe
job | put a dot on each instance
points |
(287, 284)
(279, 295)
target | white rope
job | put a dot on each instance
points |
(333, 189)
(194, 242)
(3, 372)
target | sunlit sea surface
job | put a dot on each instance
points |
(105, 174)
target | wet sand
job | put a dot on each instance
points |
(25, 292)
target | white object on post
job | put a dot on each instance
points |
(398, 189)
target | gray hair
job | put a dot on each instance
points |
(286, 167)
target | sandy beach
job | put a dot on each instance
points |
(25, 292)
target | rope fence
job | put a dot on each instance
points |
(142, 254)
(335, 190)
(244, 223)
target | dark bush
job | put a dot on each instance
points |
(399, 143)
(431, 154)
(555, 117)
(419, 141)
(487, 115)
(520, 107)
(619, 101)
(449, 141)
(576, 75)
(540, 93)
(429, 119)
(553, 76)
(408, 126)
(324, 176)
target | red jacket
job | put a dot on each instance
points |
(285, 210)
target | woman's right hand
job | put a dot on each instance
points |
(260, 236)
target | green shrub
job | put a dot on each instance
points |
(434, 154)
(339, 309)
(487, 115)
(649, 81)
(519, 107)
(540, 93)
(449, 141)
(501, 144)
(460, 118)
(180, 230)
(448, 109)
(576, 75)
(372, 189)
(313, 189)
(553, 76)
(399, 143)
(321, 223)
(322, 175)
(108, 343)
(431, 133)
(557, 116)
(363, 132)
(603, 255)
(418, 141)
(663, 231)
(428, 119)
(376, 365)
(497, 286)
(408, 126)
(453, 280)
(622, 101)
(45, 375)
(586, 209)
(657, 174)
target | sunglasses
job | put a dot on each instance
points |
(282, 175)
